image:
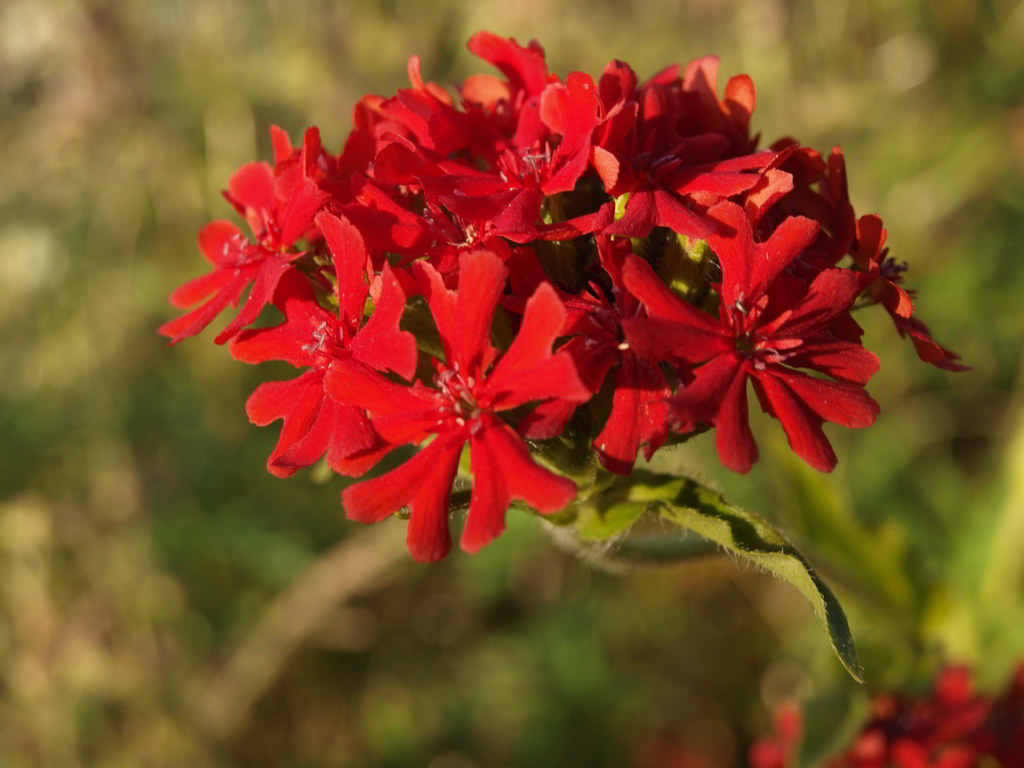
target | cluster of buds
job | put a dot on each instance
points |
(953, 727)
(545, 270)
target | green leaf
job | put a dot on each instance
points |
(613, 513)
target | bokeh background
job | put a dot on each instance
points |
(166, 602)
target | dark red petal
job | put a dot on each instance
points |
(733, 438)
(547, 420)
(791, 238)
(699, 400)
(350, 257)
(716, 183)
(929, 350)
(771, 187)
(668, 340)
(801, 424)
(734, 247)
(841, 403)
(839, 359)
(659, 300)
(640, 217)
(638, 413)
(674, 214)
(748, 269)
(831, 293)
(380, 343)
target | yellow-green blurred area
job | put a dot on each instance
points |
(164, 601)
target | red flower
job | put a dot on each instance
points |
(770, 324)
(315, 339)
(471, 387)
(277, 220)
(598, 347)
(884, 278)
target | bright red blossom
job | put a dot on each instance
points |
(649, 263)
(470, 388)
(770, 324)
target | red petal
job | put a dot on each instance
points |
(195, 321)
(844, 404)
(199, 288)
(672, 213)
(298, 402)
(270, 271)
(481, 283)
(524, 67)
(771, 187)
(215, 242)
(547, 420)
(350, 257)
(380, 343)
(339, 430)
(666, 340)
(802, 425)
(839, 359)
(423, 483)
(528, 370)
(606, 165)
(503, 470)
(283, 148)
(640, 217)
(306, 199)
(638, 413)
(740, 99)
(570, 110)
(733, 438)
(659, 300)
(748, 269)
(832, 293)
(350, 382)
(251, 190)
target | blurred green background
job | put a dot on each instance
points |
(166, 602)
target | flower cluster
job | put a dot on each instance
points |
(608, 262)
(953, 727)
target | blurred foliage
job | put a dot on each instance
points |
(145, 554)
